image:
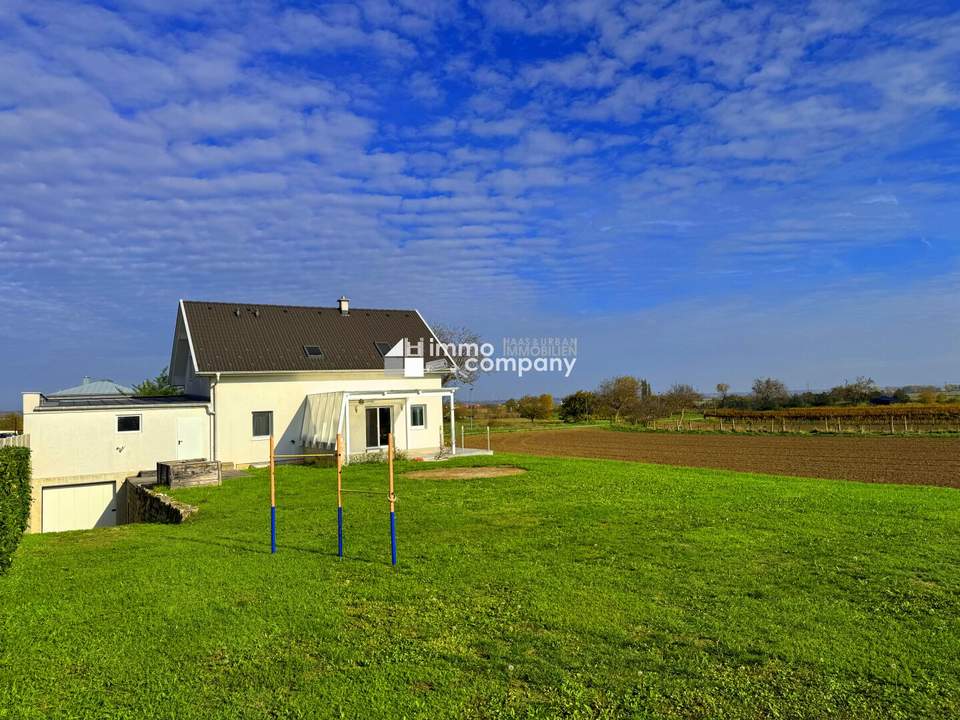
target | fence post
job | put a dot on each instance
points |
(462, 441)
(488, 437)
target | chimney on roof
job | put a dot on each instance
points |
(86, 380)
(344, 304)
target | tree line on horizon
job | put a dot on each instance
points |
(11, 421)
(632, 399)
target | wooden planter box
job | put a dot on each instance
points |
(188, 473)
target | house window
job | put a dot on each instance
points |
(313, 351)
(262, 424)
(128, 423)
(418, 416)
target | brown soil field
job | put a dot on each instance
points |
(469, 473)
(918, 461)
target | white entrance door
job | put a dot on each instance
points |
(78, 507)
(190, 438)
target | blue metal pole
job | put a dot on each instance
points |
(339, 532)
(393, 536)
(273, 528)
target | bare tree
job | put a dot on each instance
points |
(723, 390)
(681, 397)
(858, 391)
(769, 393)
(619, 396)
(463, 345)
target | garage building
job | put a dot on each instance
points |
(85, 446)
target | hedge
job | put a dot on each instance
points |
(14, 500)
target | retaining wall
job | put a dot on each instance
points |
(145, 505)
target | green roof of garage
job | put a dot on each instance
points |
(94, 387)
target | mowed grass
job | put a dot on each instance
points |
(583, 588)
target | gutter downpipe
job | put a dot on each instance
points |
(212, 412)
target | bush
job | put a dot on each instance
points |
(377, 457)
(577, 407)
(14, 500)
(535, 407)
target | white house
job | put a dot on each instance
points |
(300, 374)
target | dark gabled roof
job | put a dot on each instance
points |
(235, 337)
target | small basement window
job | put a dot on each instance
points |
(418, 416)
(128, 423)
(313, 351)
(262, 423)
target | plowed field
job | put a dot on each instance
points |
(917, 461)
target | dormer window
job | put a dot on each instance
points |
(383, 348)
(313, 351)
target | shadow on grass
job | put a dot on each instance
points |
(264, 549)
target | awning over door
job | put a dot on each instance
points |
(321, 420)
(325, 415)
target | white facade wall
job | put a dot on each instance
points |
(409, 439)
(237, 397)
(77, 446)
(68, 443)
(82, 445)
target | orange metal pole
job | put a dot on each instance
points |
(339, 470)
(339, 495)
(273, 492)
(393, 522)
(390, 463)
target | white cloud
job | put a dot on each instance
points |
(884, 199)
(249, 150)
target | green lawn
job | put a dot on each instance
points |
(581, 589)
(508, 425)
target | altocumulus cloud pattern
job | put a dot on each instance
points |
(593, 165)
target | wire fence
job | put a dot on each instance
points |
(890, 425)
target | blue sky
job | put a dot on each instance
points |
(698, 191)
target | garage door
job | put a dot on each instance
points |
(79, 507)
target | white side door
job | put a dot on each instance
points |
(78, 507)
(191, 438)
